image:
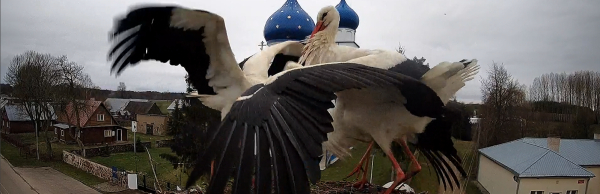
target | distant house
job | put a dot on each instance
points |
(541, 166)
(98, 126)
(150, 119)
(16, 120)
(116, 106)
(171, 107)
(135, 108)
(152, 124)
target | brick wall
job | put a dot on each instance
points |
(93, 168)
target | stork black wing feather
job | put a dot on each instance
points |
(264, 174)
(436, 141)
(146, 33)
(434, 163)
(289, 116)
(242, 179)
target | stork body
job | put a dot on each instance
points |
(380, 115)
(272, 127)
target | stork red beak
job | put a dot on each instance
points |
(318, 28)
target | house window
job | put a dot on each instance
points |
(100, 117)
(62, 132)
(107, 133)
(571, 191)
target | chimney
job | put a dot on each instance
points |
(554, 143)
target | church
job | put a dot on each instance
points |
(291, 22)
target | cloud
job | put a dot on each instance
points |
(529, 37)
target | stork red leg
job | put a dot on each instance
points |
(399, 173)
(416, 167)
(359, 168)
(363, 181)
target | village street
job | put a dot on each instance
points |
(37, 180)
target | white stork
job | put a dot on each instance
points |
(381, 115)
(286, 112)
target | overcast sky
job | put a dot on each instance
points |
(529, 37)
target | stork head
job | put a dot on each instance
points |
(328, 20)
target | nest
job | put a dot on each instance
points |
(345, 187)
(329, 187)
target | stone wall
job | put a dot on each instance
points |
(93, 168)
(163, 143)
(101, 150)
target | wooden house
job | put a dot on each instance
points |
(98, 126)
(16, 120)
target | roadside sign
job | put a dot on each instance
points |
(134, 126)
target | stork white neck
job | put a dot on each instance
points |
(322, 37)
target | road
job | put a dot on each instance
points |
(42, 180)
(11, 182)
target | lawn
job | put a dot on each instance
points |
(145, 137)
(130, 162)
(163, 105)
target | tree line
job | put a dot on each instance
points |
(555, 104)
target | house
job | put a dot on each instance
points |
(116, 106)
(541, 166)
(134, 108)
(16, 120)
(152, 124)
(98, 126)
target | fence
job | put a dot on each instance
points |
(108, 149)
(25, 149)
(103, 172)
(163, 143)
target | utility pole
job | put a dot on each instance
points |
(134, 129)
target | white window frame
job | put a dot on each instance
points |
(62, 132)
(572, 191)
(100, 117)
(536, 192)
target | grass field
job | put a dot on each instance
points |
(146, 138)
(163, 105)
(130, 162)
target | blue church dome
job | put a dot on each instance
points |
(348, 17)
(290, 22)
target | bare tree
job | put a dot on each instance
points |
(502, 97)
(72, 93)
(122, 89)
(33, 77)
